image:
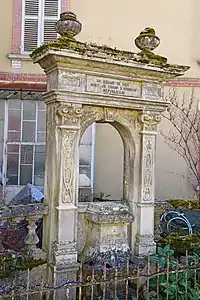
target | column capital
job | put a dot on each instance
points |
(149, 119)
(69, 114)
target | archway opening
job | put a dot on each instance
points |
(108, 162)
(101, 157)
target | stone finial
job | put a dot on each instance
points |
(147, 40)
(68, 26)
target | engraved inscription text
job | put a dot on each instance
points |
(112, 87)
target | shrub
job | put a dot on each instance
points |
(178, 244)
(185, 204)
(178, 280)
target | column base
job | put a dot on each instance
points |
(62, 270)
(63, 277)
(64, 253)
(145, 245)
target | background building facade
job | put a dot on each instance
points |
(28, 23)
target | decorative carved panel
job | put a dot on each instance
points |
(149, 122)
(148, 167)
(68, 154)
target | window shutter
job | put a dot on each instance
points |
(49, 31)
(51, 12)
(31, 7)
(51, 8)
(30, 34)
(31, 24)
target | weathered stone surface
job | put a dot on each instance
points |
(147, 40)
(81, 226)
(145, 244)
(36, 279)
(107, 232)
(86, 84)
(18, 230)
(108, 86)
(108, 212)
(23, 211)
(64, 253)
(68, 25)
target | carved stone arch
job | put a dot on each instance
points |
(125, 122)
(127, 129)
(90, 115)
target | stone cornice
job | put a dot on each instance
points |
(49, 58)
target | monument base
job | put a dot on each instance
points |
(145, 245)
(62, 276)
(107, 236)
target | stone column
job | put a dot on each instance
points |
(145, 207)
(61, 189)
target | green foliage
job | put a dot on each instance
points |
(178, 282)
(11, 262)
(178, 244)
(185, 204)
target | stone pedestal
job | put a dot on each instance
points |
(107, 233)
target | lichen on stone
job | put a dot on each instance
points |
(151, 58)
(144, 57)
(185, 204)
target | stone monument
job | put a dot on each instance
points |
(87, 83)
(107, 234)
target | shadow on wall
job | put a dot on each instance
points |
(171, 172)
(108, 163)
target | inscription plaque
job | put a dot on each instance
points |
(112, 87)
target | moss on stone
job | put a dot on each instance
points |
(145, 57)
(11, 262)
(63, 43)
(185, 204)
(179, 244)
(152, 58)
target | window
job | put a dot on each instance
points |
(38, 22)
(25, 142)
(22, 144)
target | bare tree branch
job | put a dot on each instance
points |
(184, 135)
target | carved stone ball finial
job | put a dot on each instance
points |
(68, 25)
(147, 40)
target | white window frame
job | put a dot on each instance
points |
(41, 18)
(7, 187)
(92, 160)
(34, 143)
